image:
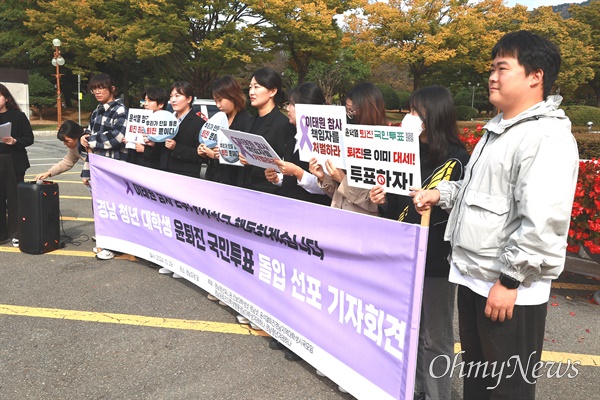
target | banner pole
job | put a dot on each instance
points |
(425, 218)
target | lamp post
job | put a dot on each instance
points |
(58, 61)
(473, 95)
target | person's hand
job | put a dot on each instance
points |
(149, 142)
(243, 160)
(170, 144)
(84, 140)
(315, 168)
(86, 181)
(9, 140)
(271, 175)
(377, 195)
(288, 168)
(424, 199)
(200, 150)
(139, 147)
(42, 176)
(336, 174)
(500, 302)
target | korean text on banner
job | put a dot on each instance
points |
(136, 126)
(161, 126)
(319, 133)
(254, 148)
(320, 280)
(382, 155)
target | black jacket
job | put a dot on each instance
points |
(276, 129)
(20, 130)
(401, 208)
(184, 159)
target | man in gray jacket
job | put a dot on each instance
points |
(509, 221)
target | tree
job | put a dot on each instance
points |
(41, 93)
(589, 16)
(15, 42)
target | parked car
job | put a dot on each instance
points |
(207, 107)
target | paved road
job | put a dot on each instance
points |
(73, 327)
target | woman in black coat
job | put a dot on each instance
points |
(13, 162)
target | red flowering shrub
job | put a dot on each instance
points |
(585, 216)
(470, 137)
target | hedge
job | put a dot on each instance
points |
(465, 113)
(581, 115)
(390, 97)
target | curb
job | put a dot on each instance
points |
(44, 133)
(581, 266)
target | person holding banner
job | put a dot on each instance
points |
(69, 133)
(145, 154)
(443, 157)
(266, 94)
(13, 162)
(509, 219)
(295, 180)
(104, 136)
(230, 98)
(368, 108)
(179, 155)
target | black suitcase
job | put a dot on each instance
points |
(39, 219)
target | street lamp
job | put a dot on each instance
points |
(58, 61)
(473, 95)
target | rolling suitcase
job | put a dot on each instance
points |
(39, 220)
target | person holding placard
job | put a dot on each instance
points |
(230, 98)
(13, 162)
(266, 94)
(443, 157)
(69, 133)
(145, 154)
(105, 133)
(366, 106)
(179, 155)
(295, 180)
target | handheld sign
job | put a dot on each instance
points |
(136, 126)
(319, 131)
(161, 125)
(254, 148)
(382, 155)
(209, 134)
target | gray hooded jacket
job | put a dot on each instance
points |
(512, 210)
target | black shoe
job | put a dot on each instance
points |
(275, 344)
(290, 355)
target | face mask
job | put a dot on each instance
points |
(412, 123)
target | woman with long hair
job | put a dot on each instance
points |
(364, 106)
(266, 95)
(230, 99)
(295, 180)
(13, 162)
(443, 156)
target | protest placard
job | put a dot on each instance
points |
(382, 155)
(136, 126)
(255, 149)
(319, 133)
(161, 125)
(209, 134)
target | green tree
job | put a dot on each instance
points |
(15, 40)
(589, 16)
(41, 93)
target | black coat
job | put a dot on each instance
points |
(276, 129)
(184, 159)
(20, 130)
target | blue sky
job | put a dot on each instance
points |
(531, 4)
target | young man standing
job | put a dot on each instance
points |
(509, 220)
(104, 135)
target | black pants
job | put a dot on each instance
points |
(8, 198)
(486, 342)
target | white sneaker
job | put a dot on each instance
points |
(177, 276)
(15, 242)
(320, 373)
(96, 250)
(94, 238)
(255, 327)
(341, 389)
(164, 271)
(222, 303)
(242, 320)
(105, 255)
(212, 298)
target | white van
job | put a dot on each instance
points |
(207, 107)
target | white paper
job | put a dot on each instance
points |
(5, 130)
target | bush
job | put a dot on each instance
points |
(581, 115)
(588, 145)
(390, 97)
(465, 113)
(88, 102)
(403, 99)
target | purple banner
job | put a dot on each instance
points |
(342, 290)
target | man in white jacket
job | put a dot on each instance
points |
(509, 221)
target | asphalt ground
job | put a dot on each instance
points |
(73, 327)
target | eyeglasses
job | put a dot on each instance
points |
(97, 89)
